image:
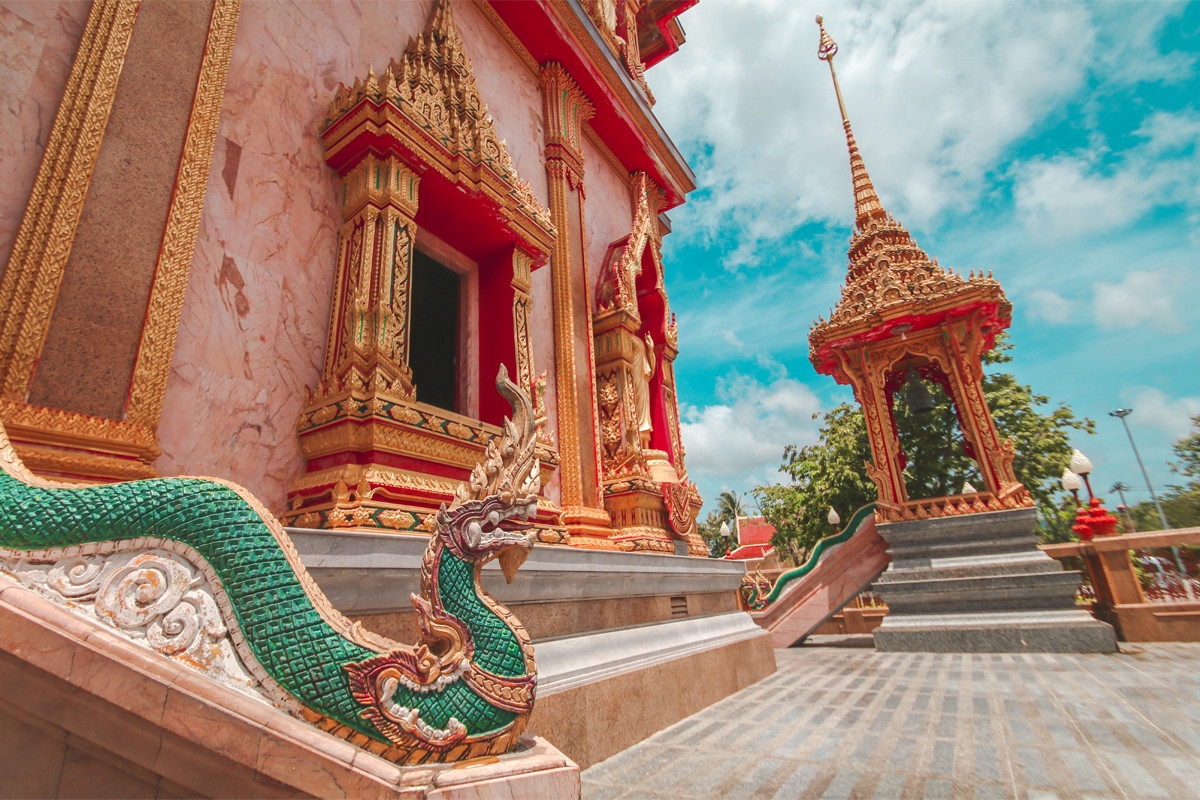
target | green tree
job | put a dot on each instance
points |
(831, 473)
(1187, 450)
(1181, 504)
(730, 506)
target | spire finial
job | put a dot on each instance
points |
(866, 202)
(827, 48)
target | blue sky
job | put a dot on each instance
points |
(1057, 144)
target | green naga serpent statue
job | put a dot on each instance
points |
(199, 570)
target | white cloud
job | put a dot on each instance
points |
(737, 443)
(1063, 197)
(1153, 408)
(938, 92)
(1050, 306)
(1141, 298)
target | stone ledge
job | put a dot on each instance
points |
(593, 721)
(576, 660)
(367, 573)
(1069, 631)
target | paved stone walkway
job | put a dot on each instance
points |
(850, 722)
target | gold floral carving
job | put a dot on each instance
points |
(567, 109)
(611, 418)
(31, 280)
(631, 52)
(78, 446)
(377, 476)
(522, 283)
(631, 103)
(157, 346)
(369, 317)
(604, 14)
(618, 288)
(390, 438)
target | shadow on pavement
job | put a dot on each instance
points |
(859, 640)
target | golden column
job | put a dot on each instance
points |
(369, 320)
(566, 109)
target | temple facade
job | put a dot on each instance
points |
(292, 246)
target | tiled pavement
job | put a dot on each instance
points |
(850, 722)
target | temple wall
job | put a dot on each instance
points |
(609, 213)
(38, 39)
(253, 328)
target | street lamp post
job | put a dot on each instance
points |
(1122, 413)
(1119, 487)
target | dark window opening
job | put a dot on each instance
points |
(433, 336)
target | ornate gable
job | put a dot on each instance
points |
(429, 104)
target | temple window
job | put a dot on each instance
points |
(437, 245)
(444, 326)
(435, 332)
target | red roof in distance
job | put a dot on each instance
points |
(754, 530)
(750, 551)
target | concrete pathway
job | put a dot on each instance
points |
(845, 721)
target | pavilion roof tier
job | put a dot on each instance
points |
(893, 288)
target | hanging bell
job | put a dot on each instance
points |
(920, 401)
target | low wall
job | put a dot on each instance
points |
(1120, 600)
(85, 712)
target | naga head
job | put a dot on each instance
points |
(484, 521)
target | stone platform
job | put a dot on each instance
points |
(839, 722)
(979, 583)
(626, 643)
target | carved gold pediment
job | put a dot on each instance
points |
(428, 104)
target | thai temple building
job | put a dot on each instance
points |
(395, 269)
(337, 245)
(754, 541)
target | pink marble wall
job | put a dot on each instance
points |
(38, 40)
(542, 330)
(254, 319)
(608, 212)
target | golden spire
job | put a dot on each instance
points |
(866, 202)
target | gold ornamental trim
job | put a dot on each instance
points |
(567, 110)
(35, 268)
(628, 101)
(376, 434)
(78, 446)
(378, 476)
(82, 467)
(157, 346)
(91, 431)
(428, 102)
